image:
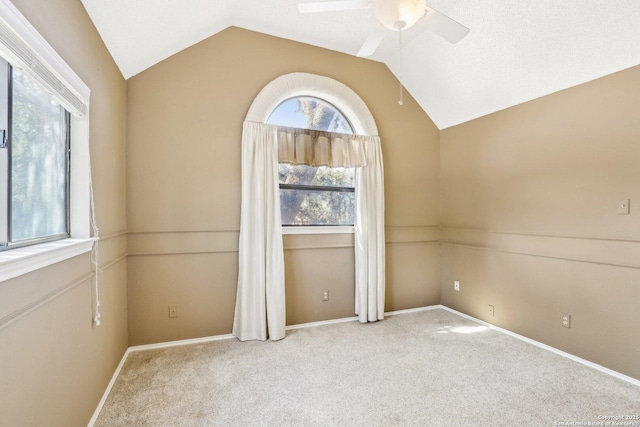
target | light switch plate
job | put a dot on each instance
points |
(623, 207)
(173, 311)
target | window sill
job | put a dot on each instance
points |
(334, 229)
(19, 261)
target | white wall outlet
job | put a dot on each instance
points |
(492, 310)
(325, 296)
(456, 285)
(173, 311)
(566, 320)
(622, 207)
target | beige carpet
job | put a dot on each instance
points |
(431, 368)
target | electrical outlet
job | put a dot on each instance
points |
(173, 311)
(492, 311)
(566, 320)
(325, 296)
(622, 207)
(456, 285)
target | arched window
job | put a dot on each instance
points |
(314, 196)
(318, 101)
(332, 91)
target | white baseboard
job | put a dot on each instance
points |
(180, 342)
(321, 323)
(412, 310)
(108, 390)
(355, 318)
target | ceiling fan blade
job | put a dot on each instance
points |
(372, 42)
(330, 6)
(444, 26)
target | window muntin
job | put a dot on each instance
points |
(314, 196)
(35, 169)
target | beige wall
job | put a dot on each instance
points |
(54, 366)
(184, 128)
(528, 215)
(530, 225)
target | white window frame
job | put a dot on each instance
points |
(71, 91)
(332, 91)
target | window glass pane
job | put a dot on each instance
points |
(306, 112)
(305, 207)
(39, 162)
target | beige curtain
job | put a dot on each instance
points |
(260, 300)
(318, 148)
(369, 235)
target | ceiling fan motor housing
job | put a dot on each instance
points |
(399, 14)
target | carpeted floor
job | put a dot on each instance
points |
(430, 368)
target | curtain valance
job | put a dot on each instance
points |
(319, 148)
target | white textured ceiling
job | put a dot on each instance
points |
(517, 50)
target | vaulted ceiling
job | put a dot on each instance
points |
(517, 50)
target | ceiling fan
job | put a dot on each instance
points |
(395, 15)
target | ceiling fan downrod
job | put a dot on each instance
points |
(400, 101)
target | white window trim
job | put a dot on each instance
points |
(300, 84)
(19, 261)
(332, 91)
(324, 229)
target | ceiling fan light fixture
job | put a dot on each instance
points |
(399, 14)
